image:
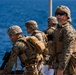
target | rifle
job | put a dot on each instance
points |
(5, 58)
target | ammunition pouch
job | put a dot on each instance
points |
(28, 62)
(31, 60)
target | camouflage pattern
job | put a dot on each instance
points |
(27, 58)
(64, 39)
(31, 24)
(42, 37)
(50, 44)
(14, 30)
(38, 34)
(65, 9)
(31, 70)
(49, 32)
(52, 20)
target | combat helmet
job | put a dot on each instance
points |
(65, 9)
(31, 24)
(53, 20)
(14, 30)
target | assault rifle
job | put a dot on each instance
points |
(5, 59)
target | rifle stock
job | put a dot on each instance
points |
(5, 59)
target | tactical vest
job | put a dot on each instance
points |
(43, 36)
(59, 47)
(51, 47)
(49, 32)
(35, 47)
(45, 41)
(59, 41)
(50, 44)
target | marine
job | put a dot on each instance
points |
(64, 41)
(52, 22)
(21, 50)
(31, 27)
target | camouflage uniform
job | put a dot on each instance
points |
(38, 34)
(50, 32)
(64, 40)
(52, 22)
(20, 49)
(33, 25)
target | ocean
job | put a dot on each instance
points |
(17, 12)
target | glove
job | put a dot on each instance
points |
(2, 72)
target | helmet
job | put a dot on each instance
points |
(31, 24)
(53, 20)
(14, 30)
(63, 9)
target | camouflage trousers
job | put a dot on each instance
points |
(31, 69)
(66, 72)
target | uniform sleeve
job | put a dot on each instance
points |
(39, 36)
(68, 46)
(13, 58)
